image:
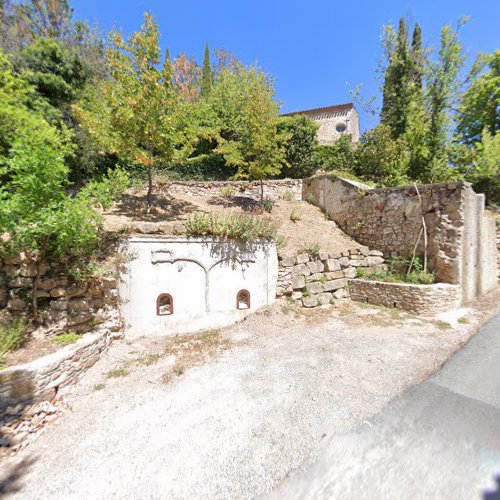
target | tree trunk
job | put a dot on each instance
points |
(34, 291)
(149, 196)
(262, 194)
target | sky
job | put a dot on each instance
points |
(315, 49)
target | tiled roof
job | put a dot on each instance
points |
(337, 108)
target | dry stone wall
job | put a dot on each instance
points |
(273, 189)
(78, 307)
(319, 279)
(460, 244)
(418, 299)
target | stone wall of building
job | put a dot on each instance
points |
(318, 279)
(74, 306)
(460, 239)
(273, 189)
(417, 299)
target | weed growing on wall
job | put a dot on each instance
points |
(12, 336)
(230, 225)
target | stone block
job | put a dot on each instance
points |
(20, 282)
(323, 256)
(17, 305)
(316, 266)
(78, 319)
(374, 260)
(28, 270)
(58, 292)
(357, 257)
(76, 290)
(315, 287)
(335, 284)
(11, 271)
(300, 270)
(335, 255)
(335, 275)
(78, 305)
(298, 282)
(302, 258)
(376, 253)
(364, 250)
(296, 295)
(341, 293)
(59, 305)
(332, 265)
(344, 262)
(310, 301)
(315, 277)
(325, 298)
(287, 262)
(350, 272)
(147, 227)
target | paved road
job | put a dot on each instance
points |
(440, 440)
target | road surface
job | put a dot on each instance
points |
(440, 439)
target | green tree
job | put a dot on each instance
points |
(246, 119)
(397, 77)
(383, 159)
(442, 92)
(480, 104)
(343, 156)
(134, 113)
(300, 146)
(207, 77)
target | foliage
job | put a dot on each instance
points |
(480, 105)
(382, 159)
(66, 338)
(227, 191)
(207, 77)
(295, 215)
(268, 205)
(300, 146)
(12, 336)
(133, 113)
(230, 225)
(395, 273)
(341, 156)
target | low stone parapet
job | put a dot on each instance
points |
(318, 279)
(418, 299)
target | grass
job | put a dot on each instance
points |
(12, 336)
(313, 250)
(295, 215)
(149, 360)
(395, 274)
(442, 325)
(66, 338)
(227, 191)
(117, 372)
(99, 387)
(230, 225)
(464, 320)
(287, 196)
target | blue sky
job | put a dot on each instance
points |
(311, 48)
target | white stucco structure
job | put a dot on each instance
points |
(202, 276)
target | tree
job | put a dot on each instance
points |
(442, 91)
(246, 119)
(342, 156)
(133, 114)
(397, 78)
(300, 146)
(480, 104)
(207, 78)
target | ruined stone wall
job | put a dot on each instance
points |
(273, 189)
(318, 279)
(460, 244)
(78, 307)
(418, 299)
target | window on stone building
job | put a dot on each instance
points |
(341, 128)
(243, 299)
(164, 305)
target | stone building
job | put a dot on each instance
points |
(333, 121)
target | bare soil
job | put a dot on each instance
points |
(311, 226)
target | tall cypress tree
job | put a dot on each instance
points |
(417, 56)
(207, 78)
(397, 76)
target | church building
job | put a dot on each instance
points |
(334, 121)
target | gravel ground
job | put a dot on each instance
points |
(239, 423)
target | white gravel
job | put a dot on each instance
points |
(237, 426)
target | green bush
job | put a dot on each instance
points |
(12, 336)
(66, 338)
(230, 225)
(268, 205)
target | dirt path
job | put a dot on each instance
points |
(259, 409)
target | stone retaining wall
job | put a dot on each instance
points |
(74, 306)
(418, 299)
(273, 189)
(461, 241)
(315, 280)
(23, 385)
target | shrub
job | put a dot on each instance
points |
(312, 249)
(230, 225)
(268, 205)
(227, 191)
(66, 338)
(295, 215)
(12, 336)
(287, 196)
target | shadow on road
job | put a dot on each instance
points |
(10, 482)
